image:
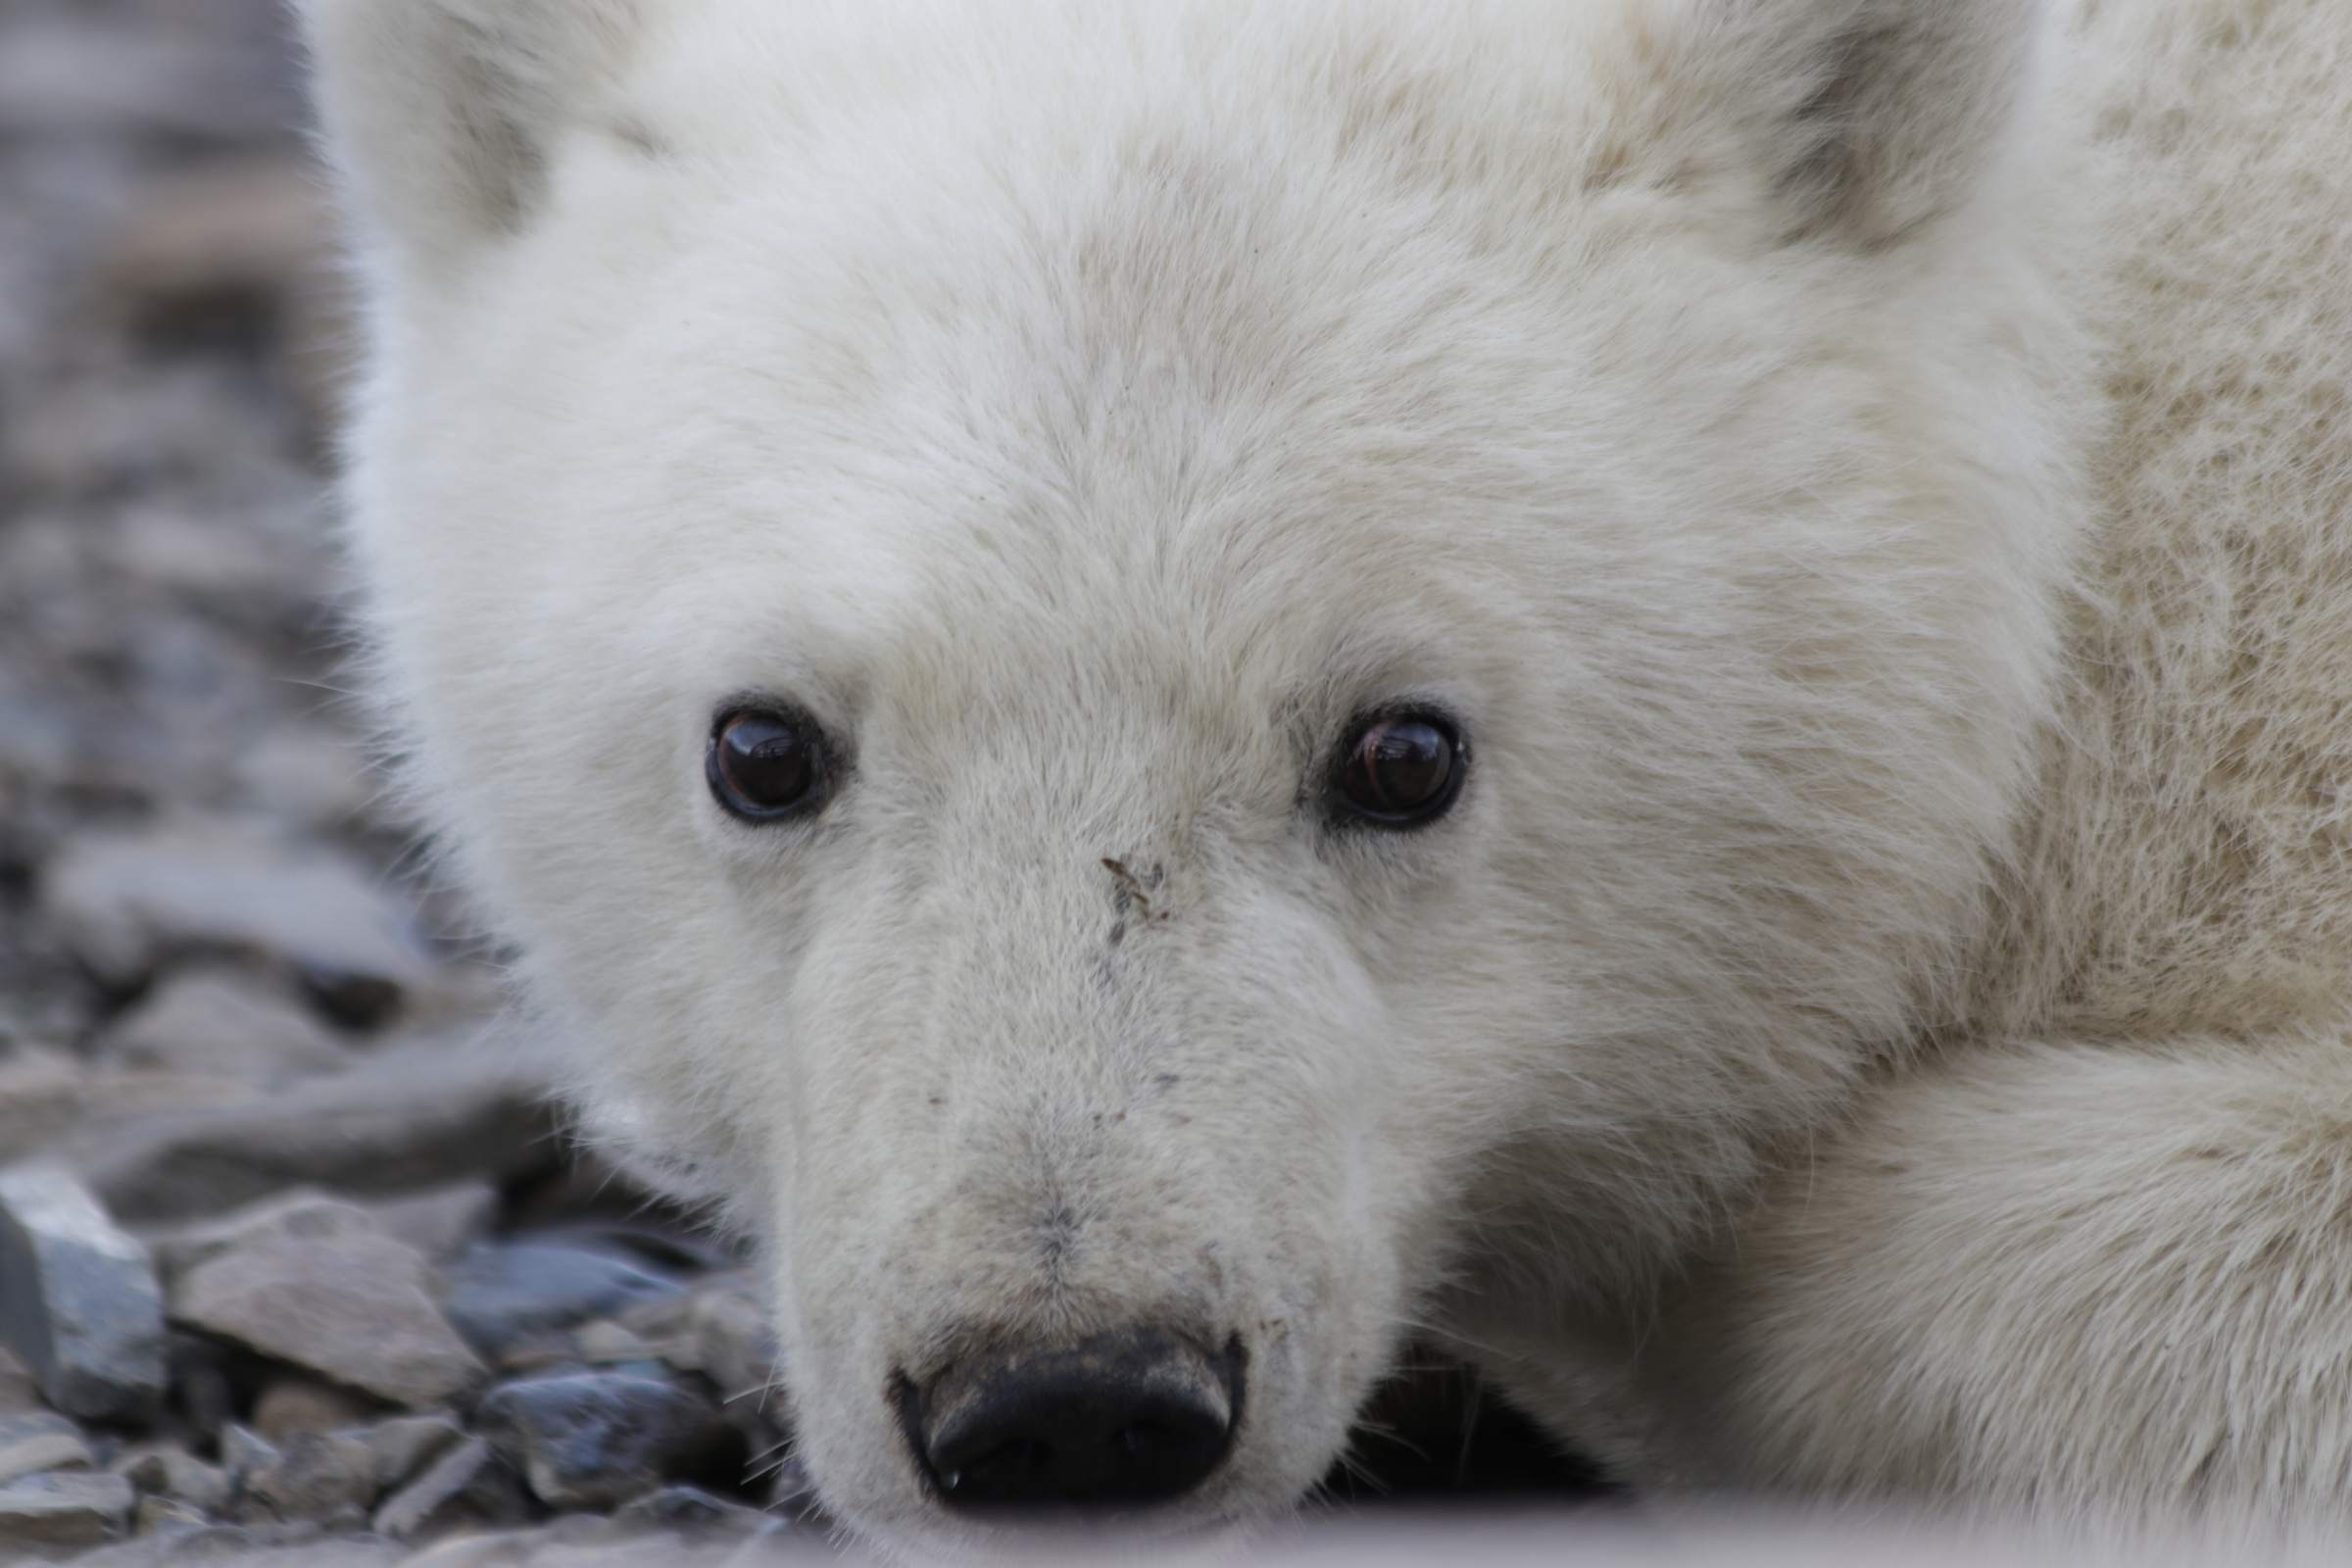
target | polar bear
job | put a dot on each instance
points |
(1662, 688)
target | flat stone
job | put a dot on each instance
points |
(510, 1295)
(63, 1509)
(594, 1439)
(406, 1445)
(125, 903)
(734, 1340)
(244, 1451)
(157, 1516)
(78, 1299)
(41, 1091)
(442, 1221)
(169, 1471)
(293, 1403)
(18, 1388)
(690, 1509)
(356, 1307)
(304, 1214)
(222, 1024)
(323, 1476)
(421, 1113)
(250, 225)
(310, 776)
(723, 1331)
(469, 1486)
(605, 1343)
(38, 1441)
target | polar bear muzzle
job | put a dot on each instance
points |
(1136, 1416)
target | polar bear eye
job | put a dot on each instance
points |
(1399, 770)
(763, 765)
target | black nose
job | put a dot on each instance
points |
(1135, 1416)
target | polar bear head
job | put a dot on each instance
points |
(1187, 684)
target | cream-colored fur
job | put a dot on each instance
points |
(1865, 475)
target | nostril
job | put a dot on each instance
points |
(1136, 1416)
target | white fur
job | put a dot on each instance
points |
(1867, 473)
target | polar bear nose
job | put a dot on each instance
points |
(1135, 1416)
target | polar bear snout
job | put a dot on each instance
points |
(1132, 1417)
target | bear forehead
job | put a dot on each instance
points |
(1153, 396)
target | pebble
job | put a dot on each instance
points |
(323, 1476)
(426, 1111)
(595, 1440)
(62, 1508)
(690, 1508)
(441, 1221)
(123, 903)
(40, 1091)
(156, 1516)
(294, 1403)
(469, 1486)
(168, 1471)
(36, 1441)
(511, 1298)
(79, 1299)
(244, 1451)
(19, 1390)
(356, 1307)
(244, 224)
(303, 1213)
(220, 1023)
(406, 1445)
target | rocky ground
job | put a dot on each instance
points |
(294, 1257)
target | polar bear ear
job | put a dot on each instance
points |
(1880, 116)
(440, 111)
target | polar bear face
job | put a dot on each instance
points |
(1178, 682)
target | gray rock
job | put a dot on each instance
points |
(78, 1300)
(722, 1331)
(154, 1516)
(308, 775)
(323, 1476)
(243, 1451)
(594, 1439)
(292, 1402)
(734, 1342)
(165, 1470)
(123, 903)
(357, 1307)
(36, 1441)
(470, 1486)
(690, 1509)
(249, 225)
(63, 1509)
(406, 1445)
(19, 1389)
(510, 1297)
(41, 1092)
(442, 1221)
(426, 1111)
(222, 1024)
(303, 1214)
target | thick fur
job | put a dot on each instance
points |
(1867, 475)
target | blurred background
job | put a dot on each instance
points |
(172, 335)
(227, 1005)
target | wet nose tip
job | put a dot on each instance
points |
(1135, 1416)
